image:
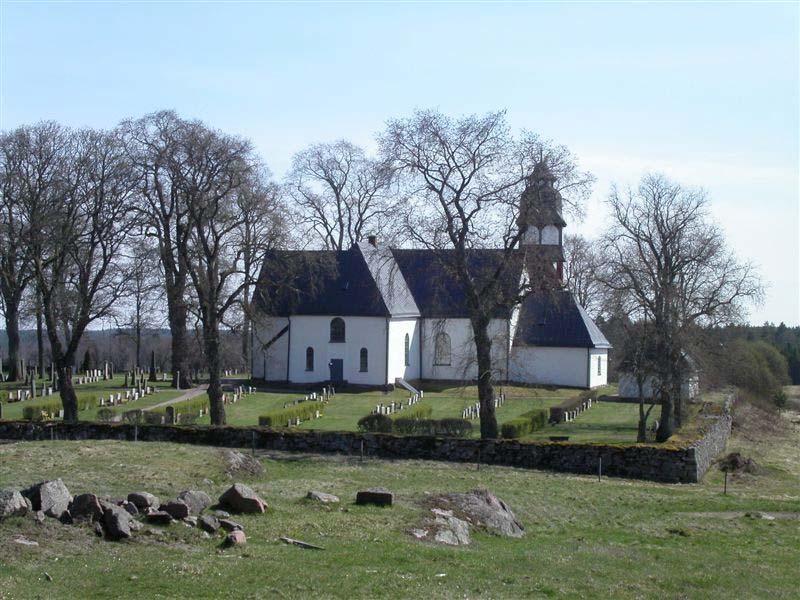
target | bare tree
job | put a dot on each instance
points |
(157, 144)
(464, 179)
(668, 264)
(77, 241)
(142, 296)
(340, 194)
(30, 161)
(216, 169)
(580, 272)
(262, 228)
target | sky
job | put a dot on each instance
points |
(707, 93)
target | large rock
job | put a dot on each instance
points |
(197, 501)
(158, 517)
(444, 528)
(229, 525)
(176, 509)
(322, 497)
(235, 538)
(12, 504)
(241, 499)
(208, 523)
(51, 497)
(483, 509)
(379, 496)
(240, 463)
(86, 507)
(143, 500)
(116, 522)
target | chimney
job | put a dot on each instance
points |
(373, 240)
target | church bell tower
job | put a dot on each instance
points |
(540, 214)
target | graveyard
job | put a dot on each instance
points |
(583, 536)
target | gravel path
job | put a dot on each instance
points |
(189, 394)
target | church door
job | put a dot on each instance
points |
(336, 366)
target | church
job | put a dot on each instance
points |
(372, 314)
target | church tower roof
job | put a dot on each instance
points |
(541, 202)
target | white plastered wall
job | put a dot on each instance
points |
(270, 363)
(549, 366)
(463, 364)
(398, 329)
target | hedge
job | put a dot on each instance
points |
(302, 411)
(375, 423)
(418, 411)
(570, 404)
(524, 424)
(446, 427)
(185, 412)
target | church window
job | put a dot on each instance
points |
(309, 359)
(364, 362)
(441, 351)
(599, 366)
(407, 350)
(337, 330)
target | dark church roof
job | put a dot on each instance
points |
(556, 319)
(436, 287)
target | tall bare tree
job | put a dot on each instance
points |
(464, 179)
(262, 227)
(77, 241)
(668, 264)
(157, 145)
(580, 272)
(340, 194)
(216, 169)
(31, 159)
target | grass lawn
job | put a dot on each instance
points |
(610, 422)
(613, 538)
(14, 410)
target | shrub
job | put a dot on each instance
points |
(446, 427)
(375, 424)
(36, 411)
(153, 418)
(570, 404)
(302, 411)
(418, 411)
(105, 415)
(524, 424)
(780, 399)
(133, 416)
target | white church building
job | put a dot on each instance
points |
(372, 314)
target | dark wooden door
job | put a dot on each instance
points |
(336, 366)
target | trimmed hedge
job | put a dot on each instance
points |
(302, 411)
(423, 411)
(524, 424)
(570, 404)
(445, 427)
(375, 423)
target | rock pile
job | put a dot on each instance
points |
(119, 519)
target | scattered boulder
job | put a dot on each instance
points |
(86, 507)
(131, 508)
(378, 496)
(238, 463)
(23, 541)
(143, 500)
(190, 521)
(38, 516)
(116, 522)
(66, 518)
(736, 463)
(482, 509)
(241, 499)
(176, 509)
(197, 501)
(12, 504)
(322, 497)
(158, 517)
(222, 514)
(235, 538)
(51, 497)
(229, 525)
(208, 523)
(444, 528)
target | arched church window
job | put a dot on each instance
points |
(364, 360)
(441, 349)
(309, 359)
(407, 350)
(337, 330)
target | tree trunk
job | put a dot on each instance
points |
(212, 345)
(12, 331)
(483, 348)
(39, 335)
(641, 435)
(180, 345)
(665, 425)
(246, 341)
(69, 399)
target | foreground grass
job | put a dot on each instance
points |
(585, 538)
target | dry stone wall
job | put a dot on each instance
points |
(656, 462)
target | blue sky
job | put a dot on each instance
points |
(706, 93)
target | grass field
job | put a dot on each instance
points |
(585, 538)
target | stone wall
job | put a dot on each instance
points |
(657, 462)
